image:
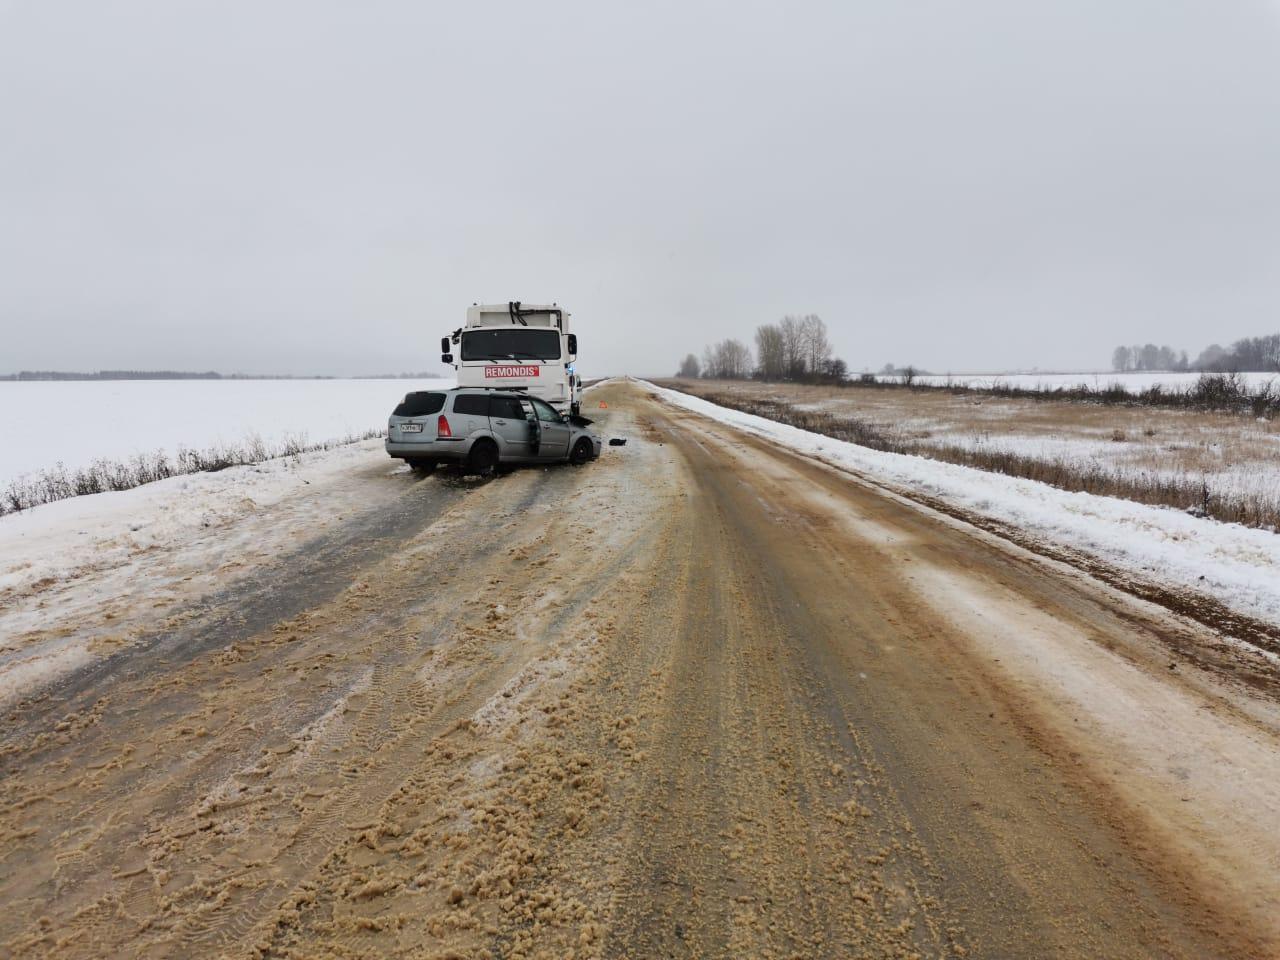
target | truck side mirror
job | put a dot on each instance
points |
(444, 345)
(573, 344)
(446, 358)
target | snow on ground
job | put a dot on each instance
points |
(77, 422)
(58, 541)
(1236, 565)
(80, 577)
(1133, 382)
(1235, 459)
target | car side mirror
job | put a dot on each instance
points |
(573, 344)
(446, 358)
(444, 344)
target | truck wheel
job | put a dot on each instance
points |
(483, 457)
(424, 467)
(582, 451)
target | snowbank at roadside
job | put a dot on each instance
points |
(1236, 565)
(61, 539)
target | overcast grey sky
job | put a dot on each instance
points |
(308, 186)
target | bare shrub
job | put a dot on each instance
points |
(104, 475)
(1212, 392)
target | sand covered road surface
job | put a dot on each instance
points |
(701, 698)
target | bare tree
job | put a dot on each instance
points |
(1255, 353)
(793, 346)
(816, 346)
(1270, 351)
(727, 360)
(835, 370)
(908, 375)
(1210, 358)
(735, 360)
(1121, 359)
(771, 352)
(689, 367)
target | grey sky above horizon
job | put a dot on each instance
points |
(302, 186)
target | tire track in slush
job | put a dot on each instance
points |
(392, 762)
(64, 750)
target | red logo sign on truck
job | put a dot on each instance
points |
(523, 370)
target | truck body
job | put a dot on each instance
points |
(518, 347)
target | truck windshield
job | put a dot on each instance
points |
(521, 343)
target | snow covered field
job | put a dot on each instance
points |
(1133, 382)
(1238, 566)
(77, 422)
(1225, 464)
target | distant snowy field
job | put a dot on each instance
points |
(1133, 382)
(77, 422)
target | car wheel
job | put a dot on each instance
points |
(424, 467)
(483, 457)
(582, 451)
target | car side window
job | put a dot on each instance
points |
(476, 404)
(545, 413)
(505, 408)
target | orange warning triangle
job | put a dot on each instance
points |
(603, 405)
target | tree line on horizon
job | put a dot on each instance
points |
(798, 348)
(794, 348)
(1247, 355)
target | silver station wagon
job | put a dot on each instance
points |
(480, 429)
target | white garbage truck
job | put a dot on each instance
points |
(517, 346)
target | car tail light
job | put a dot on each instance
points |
(442, 427)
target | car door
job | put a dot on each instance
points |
(509, 423)
(554, 432)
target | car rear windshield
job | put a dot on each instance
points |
(419, 405)
(473, 403)
(520, 343)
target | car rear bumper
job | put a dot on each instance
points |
(433, 449)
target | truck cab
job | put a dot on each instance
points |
(517, 347)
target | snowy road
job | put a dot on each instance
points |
(703, 698)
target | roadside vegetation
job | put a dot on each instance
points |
(1217, 392)
(105, 475)
(1195, 455)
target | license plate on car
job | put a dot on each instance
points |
(410, 428)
